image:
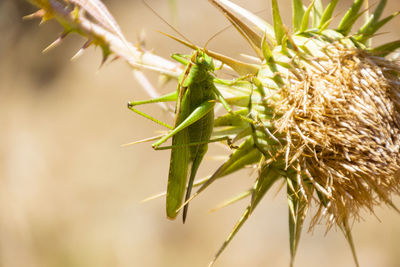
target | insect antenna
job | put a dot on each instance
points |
(181, 34)
(166, 22)
(215, 35)
(242, 68)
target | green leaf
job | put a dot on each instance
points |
(245, 155)
(347, 234)
(278, 25)
(298, 13)
(306, 17)
(373, 28)
(317, 13)
(268, 176)
(298, 205)
(266, 50)
(327, 15)
(350, 17)
(386, 49)
(232, 234)
(284, 47)
(374, 18)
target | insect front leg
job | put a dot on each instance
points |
(196, 115)
(181, 59)
(164, 98)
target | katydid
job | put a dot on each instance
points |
(194, 117)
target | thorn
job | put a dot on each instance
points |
(106, 54)
(347, 234)
(233, 200)
(38, 14)
(143, 140)
(211, 263)
(115, 58)
(184, 214)
(45, 18)
(103, 61)
(82, 50)
(393, 206)
(142, 39)
(56, 42)
(187, 201)
(154, 197)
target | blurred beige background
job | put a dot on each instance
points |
(70, 195)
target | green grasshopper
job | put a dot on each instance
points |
(194, 117)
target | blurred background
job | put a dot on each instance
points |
(70, 195)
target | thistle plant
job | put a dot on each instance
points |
(320, 111)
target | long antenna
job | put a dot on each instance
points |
(215, 35)
(166, 22)
(179, 33)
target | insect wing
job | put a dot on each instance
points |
(180, 154)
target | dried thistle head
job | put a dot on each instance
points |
(324, 116)
(342, 132)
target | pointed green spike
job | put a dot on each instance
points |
(374, 18)
(298, 13)
(349, 237)
(274, 69)
(278, 25)
(266, 50)
(235, 229)
(297, 212)
(268, 176)
(245, 155)
(386, 49)
(350, 17)
(367, 13)
(233, 200)
(238, 160)
(328, 14)
(106, 53)
(317, 12)
(306, 17)
(373, 28)
(284, 46)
